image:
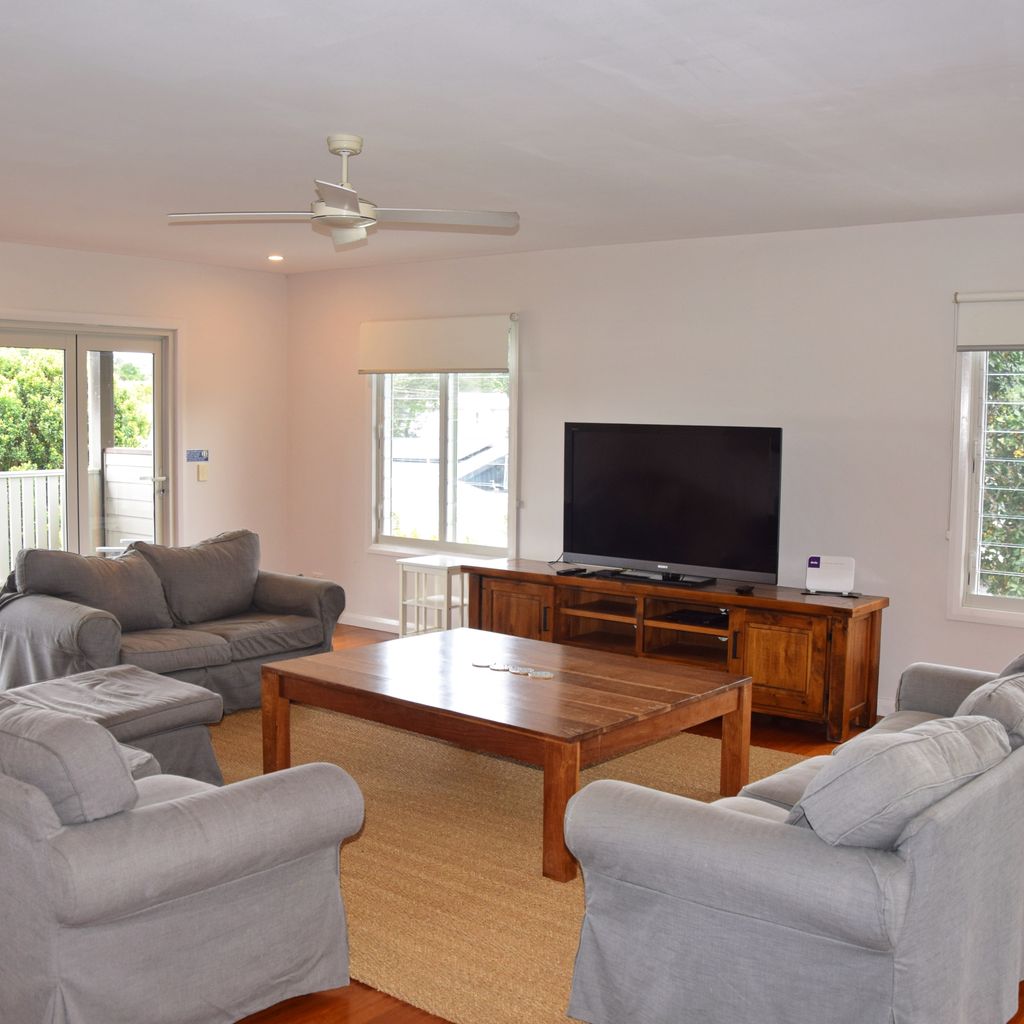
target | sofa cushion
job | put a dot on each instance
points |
(74, 761)
(1003, 700)
(259, 634)
(209, 580)
(173, 650)
(785, 788)
(870, 790)
(756, 808)
(141, 763)
(127, 586)
(897, 721)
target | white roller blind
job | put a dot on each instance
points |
(441, 345)
(989, 320)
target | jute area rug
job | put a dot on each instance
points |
(446, 904)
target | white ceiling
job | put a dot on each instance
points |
(600, 121)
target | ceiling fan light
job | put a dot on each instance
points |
(346, 236)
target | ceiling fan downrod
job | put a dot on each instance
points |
(345, 146)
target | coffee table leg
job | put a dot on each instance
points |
(276, 708)
(561, 780)
(736, 744)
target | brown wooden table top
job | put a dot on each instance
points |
(591, 691)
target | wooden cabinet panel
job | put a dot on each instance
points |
(786, 656)
(518, 609)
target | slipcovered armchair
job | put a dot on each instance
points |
(893, 891)
(162, 899)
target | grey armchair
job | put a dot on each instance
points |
(163, 900)
(893, 891)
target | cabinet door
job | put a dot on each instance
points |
(786, 656)
(517, 609)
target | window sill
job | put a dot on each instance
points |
(988, 615)
(411, 551)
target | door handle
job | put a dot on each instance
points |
(735, 643)
(544, 619)
(158, 484)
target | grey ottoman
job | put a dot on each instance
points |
(166, 717)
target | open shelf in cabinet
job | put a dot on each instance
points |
(663, 616)
(701, 646)
(607, 611)
(615, 642)
(607, 621)
(587, 604)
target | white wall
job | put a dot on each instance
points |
(841, 337)
(231, 372)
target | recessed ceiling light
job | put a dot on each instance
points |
(275, 258)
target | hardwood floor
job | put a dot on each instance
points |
(358, 1004)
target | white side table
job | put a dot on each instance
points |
(431, 593)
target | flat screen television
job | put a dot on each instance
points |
(686, 504)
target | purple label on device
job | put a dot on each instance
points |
(814, 562)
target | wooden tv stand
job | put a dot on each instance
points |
(811, 656)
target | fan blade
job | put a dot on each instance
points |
(208, 218)
(337, 197)
(455, 218)
(346, 236)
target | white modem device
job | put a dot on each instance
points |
(832, 574)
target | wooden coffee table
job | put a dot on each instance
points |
(595, 706)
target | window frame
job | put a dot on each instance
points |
(965, 504)
(387, 544)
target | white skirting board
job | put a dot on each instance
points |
(369, 622)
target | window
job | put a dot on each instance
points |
(444, 433)
(443, 459)
(987, 523)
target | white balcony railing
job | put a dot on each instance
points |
(31, 513)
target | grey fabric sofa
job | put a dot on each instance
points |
(162, 899)
(882, 884)
(205, 614)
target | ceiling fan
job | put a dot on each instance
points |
(340, 213)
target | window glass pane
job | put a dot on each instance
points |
(120, 470)
(410, 455)
(32, 484)
(478, 436)
(1001, 522)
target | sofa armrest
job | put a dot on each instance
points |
(937, 689)
(300, 595)
(736, 863)
(43, 637)
(179, 847)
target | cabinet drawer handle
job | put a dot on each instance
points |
(735, 643)
(544, 620)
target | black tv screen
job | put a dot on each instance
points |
(671, 500)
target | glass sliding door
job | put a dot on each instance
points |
(82, 442)
(123, 496)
